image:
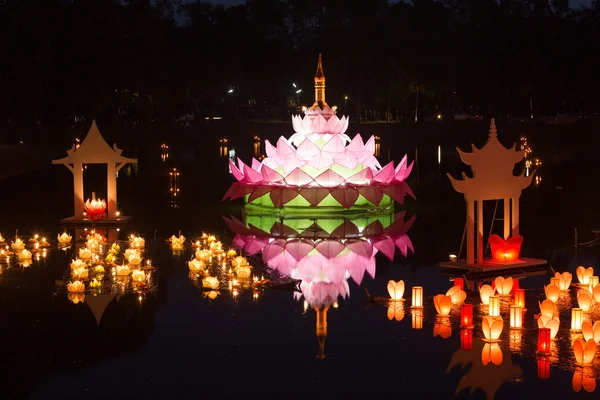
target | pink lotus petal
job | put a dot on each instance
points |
(360, 247)
(291, 164)
(357, 273)
(370, 267)
(273, 249)
(273, 162)
(299, 249)
(239, 241)
(374, 228)
(399, 226)
(271, 175)
(318, 124)
(256, 165)
(284, 149)
(255, 245)
(336, 275)
(282, 196)
(345, 161)
(385, 245)
(259, 191)
(346, 196)
(404, 244)
(329, 179)
(230, 191)
(402, 164)
(237, 174)
(307, 150)
(356, 145)
(298, 178)
(404, 173)
(346, 230)
(361, 178)
(314, 195)
(370, 145)
(270, 149)
(321, 161)
(372, 193)
(280, 229)
(240, 164)
(334, 146)
(385, 175)
(252, 176)
(329, 248)
(397, 192)
(241, 191)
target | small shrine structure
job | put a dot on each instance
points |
(95, 150)
(493, 179)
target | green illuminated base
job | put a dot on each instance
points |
(328, 204)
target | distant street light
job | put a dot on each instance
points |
(230, 91)
(293, 84)
(345, 101)
(298, 96)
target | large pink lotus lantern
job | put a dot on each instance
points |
(323, 259)
(320, 166)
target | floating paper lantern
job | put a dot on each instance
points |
(492, 328)
(442, 327)
(551, 323)
(584, 299)
(543, 365)
(85, 254)
(17, 245)
(417, 319)
(583, 379)
(491, 353)
(519, 299)
(547, 308)
(543, 340)
(516, 317)
(443, 304)
(485, 292)
(591, 332)
(552, 292)
(456, 294)
(594, 281)
(210, 282)
(396, 290)
(196, 265)
(503, 285)
(138, 242)
(494, 308)
(417, 296)
(395, 311)
(64, 239)
(564, 280)
(584, 274)
(78, 263)
(123, 270)
(596, 294)
(138, 276)
(584, 351)
(555, 281)
(177, 243)
(460, 282)
(76, 287)
(504, 251)
(80, 273)
(466, 316)
(466, 339)
(576, 319)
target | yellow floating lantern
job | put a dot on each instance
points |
(492, 328)
(456, 294)
(547, 308)
(552, 292)
(516, 317)
(485, 292)
(584, 299)
(503, 285)
(551, 323)
(576, 319)
(494, 309)
(591, 332)
(396, 290)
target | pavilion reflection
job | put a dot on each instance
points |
(322, 252)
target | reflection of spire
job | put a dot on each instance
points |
(493, 131)
(320, 86)
(321, 329)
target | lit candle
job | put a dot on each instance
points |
(417, 319)
(460, 282)
(576, 319)
(543, 367)
(544, 340)
(417, 297)
(466, 339)
(452, 258)
(516, 318)
(494, 308)
(519, 298)
(466, 315)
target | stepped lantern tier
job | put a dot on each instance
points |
(94, 150)
(493, 179)
(319, 165)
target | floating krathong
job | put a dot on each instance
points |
(64, 239)
(95, 209)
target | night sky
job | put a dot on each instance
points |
(574, 3)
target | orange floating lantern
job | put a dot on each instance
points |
(544, 341)
(466, 316)
(543, 364)
(466, 339)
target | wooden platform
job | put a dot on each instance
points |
(523, 264)
(73, 222)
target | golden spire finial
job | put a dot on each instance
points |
(321, 329)
(320, 86)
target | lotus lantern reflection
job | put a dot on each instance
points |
(123, 270)
(491, 353)
(442, 327)
(485, 292)
(210, 282)
(565, 280)
(134, 259)
(203, 255)
(584, 299)
(77, 263)
(17, 245)
(76, 298)
(395, 289)
(95, 209)
(443, 304)
(395, 311)
(95, 284)
(24, 255)
(80, 272)
(138, 276)
(552, 323)
(64, 239)
(584, 351)
(547, 308)
(503, 285)
(552, 292)
(591, 332)
(85, 254)
(76, 287)
(492, 327)
(212, 294)
(456, 295)
(177, 243)
(583, 378)
(584, 274)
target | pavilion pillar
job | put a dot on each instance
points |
(470, 231)
(480, 231)
(515, 216)
(78, 190)
(506, 218)
(111, 190)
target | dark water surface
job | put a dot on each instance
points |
(177, 343)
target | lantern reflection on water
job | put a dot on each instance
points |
(466, 339)
(491, 353)
(543, 367)
(417, 318)
(583, 378)
(442, 327)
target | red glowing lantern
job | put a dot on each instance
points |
(466, 316)
(519, 298)
(515, 283)
(460, 282)
(466, 339)
(544, 340)
(504, 251)
(543, 364)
